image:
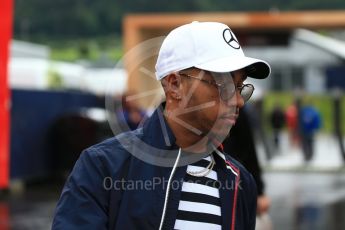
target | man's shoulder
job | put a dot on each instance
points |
(236, 163)
(247, 182)
(105, 147)
(244, 173)
(112, 149)
(117, 142)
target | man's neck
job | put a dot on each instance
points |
(185, 138)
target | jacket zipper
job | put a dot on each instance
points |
(236, 172)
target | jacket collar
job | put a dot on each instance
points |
(157, 132)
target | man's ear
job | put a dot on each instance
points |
(172, 86)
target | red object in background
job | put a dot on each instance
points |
(4, 217)
(6, 7)
(291, 117)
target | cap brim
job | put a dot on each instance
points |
(255, 68)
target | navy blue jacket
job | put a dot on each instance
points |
(98, 193)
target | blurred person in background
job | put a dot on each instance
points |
(241, 145)
(291, 118)
(310, 122)
(130, 114)
(277, 119)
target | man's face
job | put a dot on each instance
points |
(205, 110)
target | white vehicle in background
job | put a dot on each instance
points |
(31, 68)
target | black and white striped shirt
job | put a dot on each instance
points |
(199, 206)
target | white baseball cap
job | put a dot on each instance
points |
(210, 46)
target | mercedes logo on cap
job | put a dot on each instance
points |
(230, 39)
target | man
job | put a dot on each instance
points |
(179, 176)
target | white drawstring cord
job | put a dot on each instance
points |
(168, 189)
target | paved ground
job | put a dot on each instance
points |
(307, 200)
(306, 195)
(327, 156)
(303, 196)
(31, 210)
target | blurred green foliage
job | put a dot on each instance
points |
(87, 18)
(86, 48)
(55, 80)
(80, 29)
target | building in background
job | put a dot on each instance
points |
(30, 67)
(303, 63)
